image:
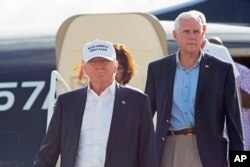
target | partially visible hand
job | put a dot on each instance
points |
(245, 99)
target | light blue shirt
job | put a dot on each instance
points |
(184, 94)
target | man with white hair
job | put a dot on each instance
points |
(192, 93)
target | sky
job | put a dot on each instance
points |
(19, 18)
(26, 12)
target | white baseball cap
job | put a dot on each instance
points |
(99, 48)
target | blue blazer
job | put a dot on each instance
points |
(131, 140)
(216, 99)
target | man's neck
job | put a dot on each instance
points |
(203, 43)
(99, 88)
(188, 60)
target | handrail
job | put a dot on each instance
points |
(53, 92)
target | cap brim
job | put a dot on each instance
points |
(101, 56)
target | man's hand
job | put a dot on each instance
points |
(245, 99)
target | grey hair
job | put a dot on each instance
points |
(185, 16)
(201, 15)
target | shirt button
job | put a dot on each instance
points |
(163, 138)
(167, 121)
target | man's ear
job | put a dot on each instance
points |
(116, 66)
(204, 28)
(85, 68)
(174, 34)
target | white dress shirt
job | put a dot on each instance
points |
(95, 128)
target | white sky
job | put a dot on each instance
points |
(23, 18)
(26, 12)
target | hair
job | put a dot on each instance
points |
(201, 16)
(185, 16)
(125, 59)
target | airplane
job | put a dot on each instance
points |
(222, 11)
(25, 69)
(29, 54)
